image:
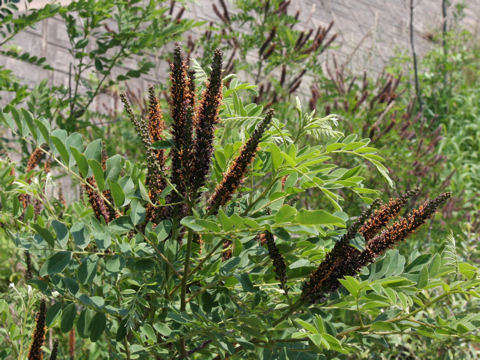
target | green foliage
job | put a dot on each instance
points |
(209, 284)
(273, 53)
(114, 32)
(131, 288)
(452, 100)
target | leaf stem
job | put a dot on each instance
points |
(186, 270)
(199, 264)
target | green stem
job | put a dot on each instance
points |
(399, 318)
(297, 305)
(261, 196)
(184, 286)
(186, 270)
(127, 349)
(199, 264)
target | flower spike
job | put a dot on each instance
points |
(383, 215)
(348, 261)
(207, 117)
(236, 172)
(182, 128)
(279, 266)
(36, 352)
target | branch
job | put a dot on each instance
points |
(414, 56)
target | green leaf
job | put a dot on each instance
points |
(94, 150)
(62, 233)
(245, 281)
(7, 120)
(97, 326)
(87, 269)
(98, 64)
(74, 140)
(319, 341)
(16, 116)
(81, 161)
(56, 263)
(277, 158)
(318, 217)
(358, 242)
(163, 329)
(28, 117)
(381, 169)
(83, 323)
(354, 145)
(117, 193)
(122, 330)
(121, 225)
(334, 146)
(467, 270)
(70, 284)
(148, 331)
(418, 263)
(52, 313)
(114, 264)
(45, 234)
(137, 212)
(307, 326)
(383, 326)
(192, 223)
(68, 316)
(114, 167)
(285, 213)
(44, 127)
(81, 43)
(97, 173)
(334, 343)
(351, 284)
(319, 324)
(208, 225)
(80, 235)
(163, 229)
(435, 265)
(226, 222)
(423, 278)
(62, 150)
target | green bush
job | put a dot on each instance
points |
(178, 257)
(226, 230)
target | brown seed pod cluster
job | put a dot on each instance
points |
(266, 239)
(345, 260)
(206, 120)
(28, 270)
(36, 352)
(383, 215)
(96, 201)
(192, 131)
(33, 160)
(238, 168)
(309, 44)
(54, 353)
(155, 181)
(71, 343)
(35, 157)
(101, 208)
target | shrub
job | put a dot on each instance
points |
(205, 250)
